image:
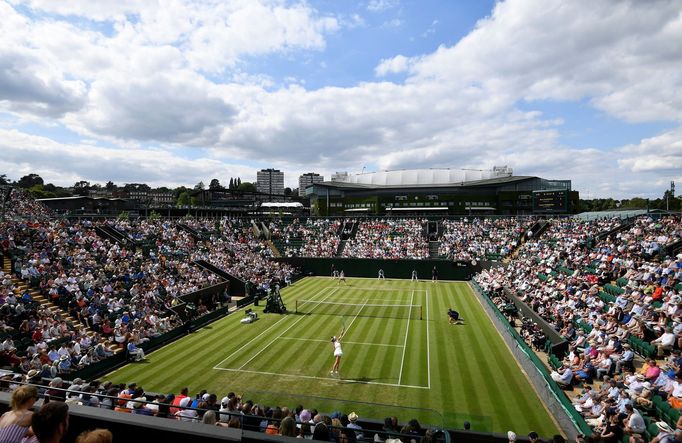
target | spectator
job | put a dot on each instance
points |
(50, 423)
(15, 423)
(287, 427)
(95, 436)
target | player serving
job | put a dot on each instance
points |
(336, 343)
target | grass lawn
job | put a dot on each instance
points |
(393, 363)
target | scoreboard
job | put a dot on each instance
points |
(550, 201)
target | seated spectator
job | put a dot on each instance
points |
(50, 423)
(15, 423)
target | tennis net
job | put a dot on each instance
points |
(359, 309)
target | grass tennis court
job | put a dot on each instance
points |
(399, 351)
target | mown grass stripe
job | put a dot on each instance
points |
(473, 374)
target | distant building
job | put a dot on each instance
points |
(442, 191)
(308, 179)
(340, 176)
(153, 197)
(270, 181)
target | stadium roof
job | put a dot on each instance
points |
(430, 176)
(281, 205)
(485, 182)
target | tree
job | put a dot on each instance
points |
(231, 186)
(179, 190)
(30, 180)
(215, 184)
(239, 182)
(635, 203)
(4, 180)
(38, 191)
(81, 187)
(200, 185)
(183, 199)
(110, 186)
(247, 187)
(128, 187)
(287, 192)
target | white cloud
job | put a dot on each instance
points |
(179, 75)
(65, 164)
(655, 154)
(394, 23)
(382, 5)
(166, 107)
(618, 54)
(394, 65)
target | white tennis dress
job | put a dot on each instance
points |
(337, 349)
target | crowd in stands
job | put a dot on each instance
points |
(230, 411)
(481, 238)
(20, 205)
(314, 238)
(236, 250)
(621, 295)
(108, 293)
(389, 239)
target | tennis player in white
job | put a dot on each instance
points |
(336, 343)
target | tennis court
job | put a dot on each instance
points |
(400, 357)
(387, 324)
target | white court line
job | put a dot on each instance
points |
(291, 326)
(345, 342)
(428, 343)
(312, 377)
(383, 289)
(407, 333)
(256, 337)
(353, 301)
(354, 318)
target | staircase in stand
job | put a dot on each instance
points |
(434, 246)
(275, 251)
(339, 250)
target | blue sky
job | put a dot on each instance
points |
(131, 92)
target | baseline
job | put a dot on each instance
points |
(384, 289)
(312, 377)
(345, 342)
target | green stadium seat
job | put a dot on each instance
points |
(652, 430)
(672, 416)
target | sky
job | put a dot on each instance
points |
(175, 92)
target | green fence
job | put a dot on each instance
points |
(369, 268)
(575, 417)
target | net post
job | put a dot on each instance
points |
(420, 312)
(296, 308)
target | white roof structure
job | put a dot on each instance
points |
(282, 205)
(432, 176)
